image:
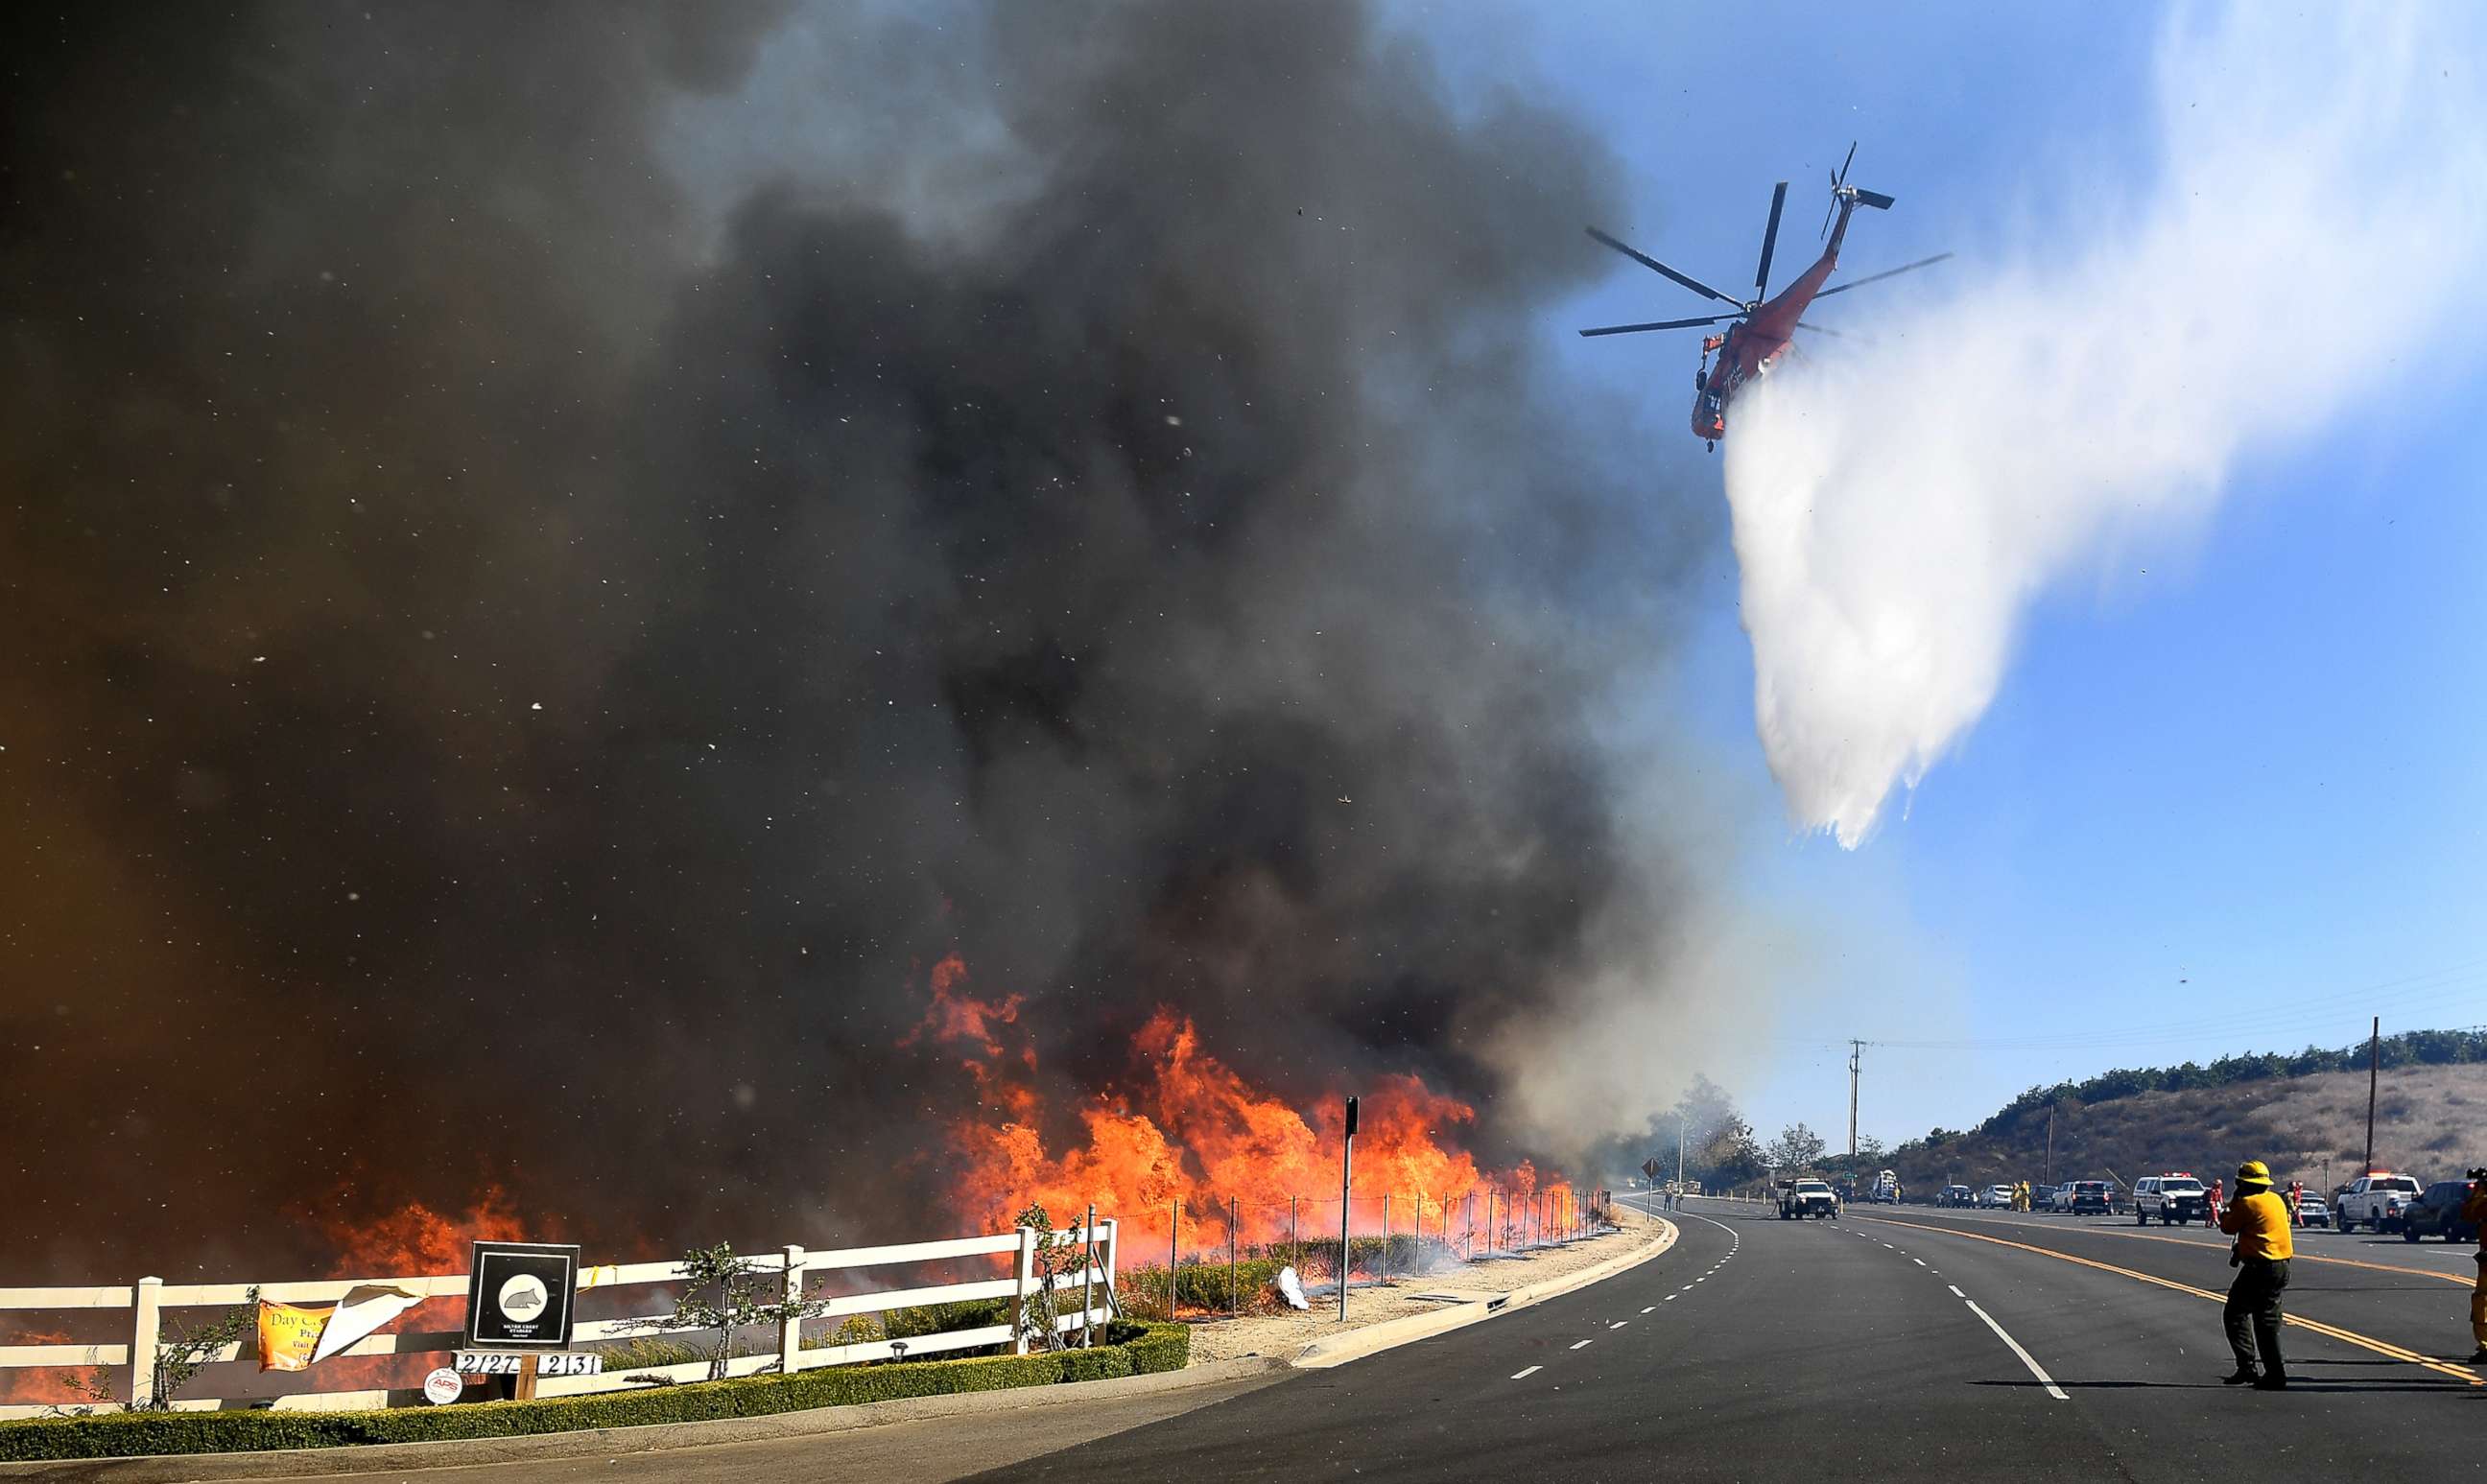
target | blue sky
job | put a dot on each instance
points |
(2228, 797)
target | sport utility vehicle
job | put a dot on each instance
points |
(2085, 1195)
(2171, 1198)
(2439, 1212)
(1956, 1195)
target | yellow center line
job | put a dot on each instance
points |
(2182, 1242)
(2349, 1336)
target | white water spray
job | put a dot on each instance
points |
(2318, 225)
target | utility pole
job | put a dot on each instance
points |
(1679, 1158)
(1855, 1063)
(2050, 1143)
(2374, 1071)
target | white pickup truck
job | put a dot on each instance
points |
(2375, 1200)
(1801, 1199)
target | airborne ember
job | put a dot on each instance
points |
(560, 555)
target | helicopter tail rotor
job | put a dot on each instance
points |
(1840, 180)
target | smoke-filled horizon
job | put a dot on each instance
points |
(2315, 233)
(564, 555)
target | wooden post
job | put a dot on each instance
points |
(1385, 1236)
(790, 1329)
(1345, 1205)
(1026, 1277)
(1174, 1250)
(1234, 1269)
(146, 1329)
(525, 1389)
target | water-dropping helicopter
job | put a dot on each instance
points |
(1761, 328)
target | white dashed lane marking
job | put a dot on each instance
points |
(1525, 1375)
(1619, 1323)
(1955, 1290)
(1582, 1344)
(1652, 1309)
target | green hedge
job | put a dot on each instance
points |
(1132, 1350)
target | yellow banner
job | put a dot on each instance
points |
(288, 1333)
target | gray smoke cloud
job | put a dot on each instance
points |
(563, 553)
(2315, 232)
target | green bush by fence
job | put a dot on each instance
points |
(1132, 1350)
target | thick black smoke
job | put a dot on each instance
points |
(520, 656)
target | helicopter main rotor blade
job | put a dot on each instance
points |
(1875, 278)
(1660, 325)
(1841, 178)
(1862, 340)
(1770, 242)
(1648, 262)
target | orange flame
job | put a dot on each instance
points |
(415, 1241)
(1191, 1129)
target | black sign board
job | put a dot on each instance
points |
(1649, 1167)
(520, 1295)
(1351, 1118)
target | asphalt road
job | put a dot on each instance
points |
(1899, 1344)
(1865, 1348)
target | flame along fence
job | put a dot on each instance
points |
(145, 1304)
(1204, 1245)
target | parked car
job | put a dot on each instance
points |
(2375, 1200)
(1956, 1195)
(2173, 1198)
(2314, 1211)
(1996, 1197)
(2438, 1213)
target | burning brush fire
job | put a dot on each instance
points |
(1187, 1127)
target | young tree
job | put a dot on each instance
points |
(726, 1292)
(1796, 1148)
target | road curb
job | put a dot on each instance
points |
(655, 1437)
(1338, 1350)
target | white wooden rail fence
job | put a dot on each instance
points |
(145, 1302)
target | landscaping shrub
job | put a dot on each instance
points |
(1132, 1350)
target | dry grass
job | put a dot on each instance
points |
(2421, 1126)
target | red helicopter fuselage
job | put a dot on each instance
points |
(1751, 348)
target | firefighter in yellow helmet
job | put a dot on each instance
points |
(2474, 1210)
(2258, 1218)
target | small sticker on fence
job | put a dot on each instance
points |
(443, 1387)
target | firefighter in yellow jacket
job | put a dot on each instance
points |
(2474, 1211)
(2258, 1218)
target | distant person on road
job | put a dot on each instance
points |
(2259, 1221)
(2295, 1196)
(2211, 1207)
(2474, 1210)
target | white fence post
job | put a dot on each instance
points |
(1113, 1232)
(1026, 1281)
(143, 1334)
(790, 1330)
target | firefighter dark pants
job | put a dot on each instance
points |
(2252, 1314)
(2478, 1303)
